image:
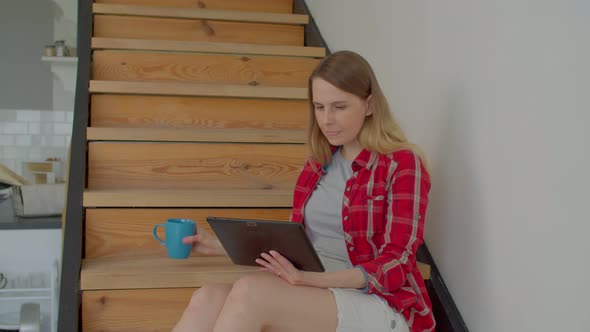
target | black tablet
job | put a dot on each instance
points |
(245, 239)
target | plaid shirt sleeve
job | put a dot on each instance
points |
(407, 200)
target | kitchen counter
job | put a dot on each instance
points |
(9, 221)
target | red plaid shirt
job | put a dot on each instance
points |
(383, 211)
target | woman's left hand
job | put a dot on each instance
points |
(275, 263)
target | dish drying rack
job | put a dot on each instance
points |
(32, 287)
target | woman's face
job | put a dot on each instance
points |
(339, 114)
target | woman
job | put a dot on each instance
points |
(362, 196)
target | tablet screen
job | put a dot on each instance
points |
(245, 239)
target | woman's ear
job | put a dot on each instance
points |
(369, 105)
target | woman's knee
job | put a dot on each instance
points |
(208, 296)
(252, 290)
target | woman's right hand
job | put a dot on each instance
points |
(204, 243)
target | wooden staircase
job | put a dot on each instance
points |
(195, 109)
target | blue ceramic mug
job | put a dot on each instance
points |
(176, 229)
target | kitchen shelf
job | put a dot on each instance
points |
(60, 59)
(40, 285)
(10, 290)
(65, 68)
(28, 298)
(24, 293)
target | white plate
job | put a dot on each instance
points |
(10, 321)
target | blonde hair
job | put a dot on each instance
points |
(380, 132)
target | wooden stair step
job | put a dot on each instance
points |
(133, 272)
(117, 65)
(140, 111)
(126, 310)
(271, 6)
(206, 47)
(202, 14)
(138, 27)
(195, 135)
(165, 165)
(196, 89)
(124, 232)
(138, 272)
(188, 198)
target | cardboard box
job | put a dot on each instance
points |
(38, 199)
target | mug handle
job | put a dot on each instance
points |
(156, 235)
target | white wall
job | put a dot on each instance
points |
(497, 93)
(29, 250)
(28, 133)
(25, 28)
(65, 27)
(65, 21)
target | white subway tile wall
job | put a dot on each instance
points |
(34, 128)
(34, 135)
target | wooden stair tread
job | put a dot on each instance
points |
(158, 272)
(202, 68)
(126, 309)
(188, 198)
(195, 135)
(121, 231)
(139, 111)
(205, 47)
(133, 272)
(272, 6)
(202, 14)
(216, 166)
(141, 27)
(196, 89)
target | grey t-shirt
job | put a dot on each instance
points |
(323, 215)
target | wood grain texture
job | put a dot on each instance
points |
(197, 30)
(202, 68)
(272, 6)
(275, 198)
(128, 232)
(193, 166)
(206, 47)
(199, 13)
(197, 89)
(135, 272)
(129, 310)
(192, 135)
(127, 111)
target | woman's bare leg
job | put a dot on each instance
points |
(204, 307)
(266, 302)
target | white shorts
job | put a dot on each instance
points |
(358, 312)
